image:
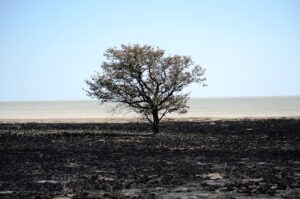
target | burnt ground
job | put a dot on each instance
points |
(220, 159)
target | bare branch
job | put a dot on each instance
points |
(145, 81)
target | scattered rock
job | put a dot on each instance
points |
(214, 176)
(252, 180)
(47, 181)
(6, 192)
(131, 192)
(216, 183)
(105, 178)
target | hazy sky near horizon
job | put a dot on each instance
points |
(249, 48)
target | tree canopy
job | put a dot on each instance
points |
(146, 81)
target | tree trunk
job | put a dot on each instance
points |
(155, 127)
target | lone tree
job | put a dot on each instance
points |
(144, 80)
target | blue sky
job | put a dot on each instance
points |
(250, 48)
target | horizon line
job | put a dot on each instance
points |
(214, 97)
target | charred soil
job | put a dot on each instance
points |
(212, 159)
